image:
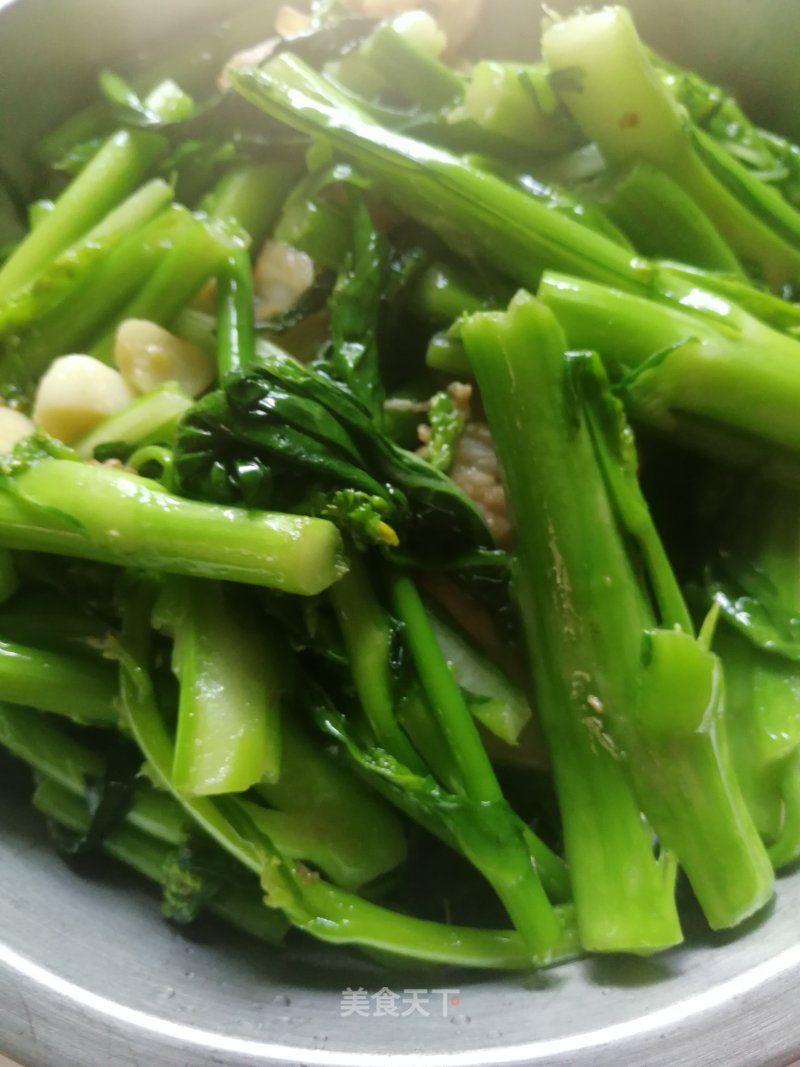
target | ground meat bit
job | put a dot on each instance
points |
(461, 395)
(476, 470)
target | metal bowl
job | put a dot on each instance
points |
(91, 975)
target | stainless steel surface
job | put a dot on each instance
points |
(91, 977)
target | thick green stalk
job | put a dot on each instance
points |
(680, 723)
(251, 195)
(517, 102)
(68, 272)
(141, 206)
(106, 514)
(443, 292)
(76, 324)
(499, 704)
(616, 95)
(550, 193)
(488, 834)
(694, 363)
(228, 734)
(150, 418)
(235, 326)
(367, 636)
(107, 179)
(653, 696)
(660, 218)
(314, 905)
(426, 735)
(48, 749)
(197, 254)
(467, 207)
(77, 687)
(445, 353)
(623, 895)
(336, 823)
(402, 65)
(142, 717)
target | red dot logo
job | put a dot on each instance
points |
(455, 1001)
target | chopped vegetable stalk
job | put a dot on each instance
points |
(617, 695)
(109, 515)
(393, 706)
(516, 101)
(314, 905)
(446, 701)
(606, 79)
(228, 734)
(66, 272)
(75, 325)
(235, 327)
(487, 833)
(755, 579)
(499, 704)
(107, 179)
(443, 292)
(661, 219)
(152, 417)
(251, 195)
(319, 811)
(520, 890)
(394, 53)
(77, 687)
(341, 918)
(197, 255)
(354, 308)
(468, 207)
(623, 894)
(687, 366)
(48, 749)
(367, 633)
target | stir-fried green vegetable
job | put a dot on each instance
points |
(328, 573)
